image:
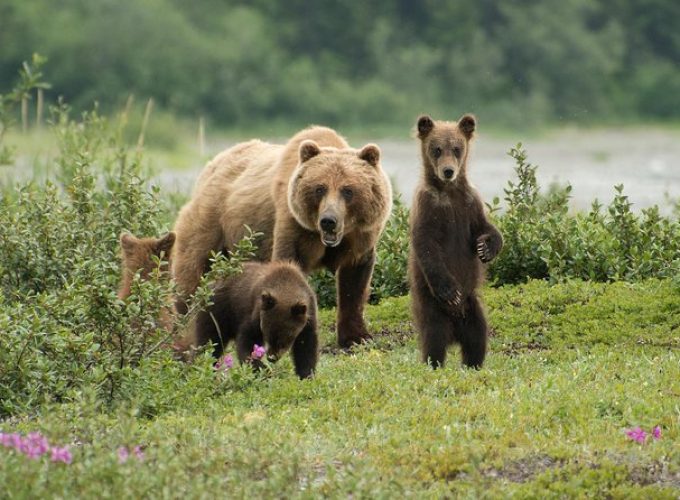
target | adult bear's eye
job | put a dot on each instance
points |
(347, 193)
(320, 190)
(456, 152)
(437, 152)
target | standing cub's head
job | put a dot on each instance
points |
(286, 305)
(445, 146)
(138, 255)
(336, 191)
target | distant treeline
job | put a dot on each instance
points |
(370, 62)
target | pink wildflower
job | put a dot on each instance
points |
(139, 453)
(225, 363)
(35, 445)
(123, 455)
(16, 441)
(61, 455)
(6, 440)
(656, 432)
(637, 434)
(258, 352)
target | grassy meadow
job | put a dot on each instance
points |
(584, 310)
(571, 368)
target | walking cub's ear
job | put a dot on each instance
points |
(308, 150)
(128, 242)
(425, 126)
(467, 124)
(166, 243)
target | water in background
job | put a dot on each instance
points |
(647, 162)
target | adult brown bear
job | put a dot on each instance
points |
(451, 239)
(316, 201)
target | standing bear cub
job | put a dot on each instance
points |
(268, 304)
(451, 239)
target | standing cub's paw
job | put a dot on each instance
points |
(486, 251)
(448, 295)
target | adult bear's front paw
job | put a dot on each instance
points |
(352, 332)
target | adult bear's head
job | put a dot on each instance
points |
(336, 191)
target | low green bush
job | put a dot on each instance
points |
(544, 239)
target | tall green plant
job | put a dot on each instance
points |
(30, 79)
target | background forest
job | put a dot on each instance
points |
(243, 64)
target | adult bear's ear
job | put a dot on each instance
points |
(128, 242)
(308, 150)
(424, 126)
(165, 243)
(467, 124)
(370, 153)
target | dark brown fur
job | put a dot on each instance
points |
(269, 304)
(451, 239)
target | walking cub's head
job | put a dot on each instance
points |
(286, 305)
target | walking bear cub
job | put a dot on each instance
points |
(451, 239)
(269, 304)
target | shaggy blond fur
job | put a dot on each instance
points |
(287, 192)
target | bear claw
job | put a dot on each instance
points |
(483, 251)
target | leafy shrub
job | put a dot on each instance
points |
(544, 240)
(63, 326)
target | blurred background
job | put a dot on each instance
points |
(592, 87)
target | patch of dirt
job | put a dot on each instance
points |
(520, 471)
(523, 470)
(517, 348)
(655, 473)
(384, 339)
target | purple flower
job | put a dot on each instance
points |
(35, 445)
(16, 441)
(656, 432)
(258, 352)
(637, 434)
(7, 440)
(123, 455)
(61, 455)
(225, 363)
(139, 453)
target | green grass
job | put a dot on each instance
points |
(570, 368)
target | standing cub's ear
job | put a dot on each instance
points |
(370, 153)
(467, 125)
(165, 243)
(425, 126)
(308, 150)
